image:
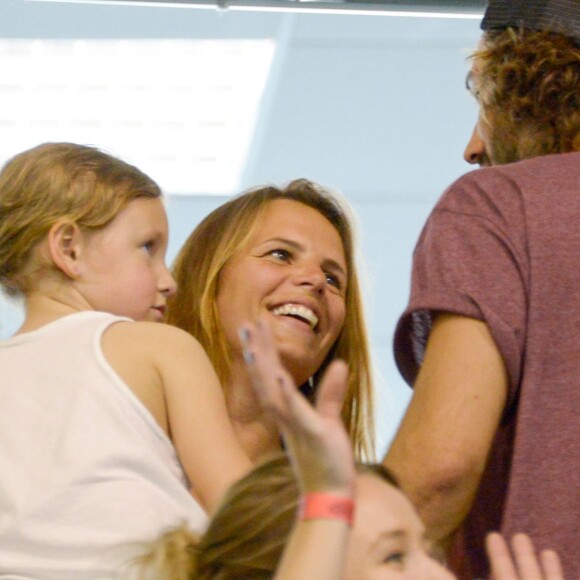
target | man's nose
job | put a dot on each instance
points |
(475, 149)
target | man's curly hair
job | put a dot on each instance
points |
(528, 85)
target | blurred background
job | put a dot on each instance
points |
(210, 102)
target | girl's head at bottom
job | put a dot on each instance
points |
(247, 534)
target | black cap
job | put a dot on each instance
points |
(561, 16)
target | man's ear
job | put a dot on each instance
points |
(65, 246)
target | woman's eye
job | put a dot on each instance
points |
(280, 254)
(333, 280)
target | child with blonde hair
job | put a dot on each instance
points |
(110, 424)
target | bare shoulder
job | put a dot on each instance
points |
(150, 339)
(142, 353)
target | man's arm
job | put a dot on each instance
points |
(441, 448)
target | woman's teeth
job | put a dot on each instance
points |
(299, 311)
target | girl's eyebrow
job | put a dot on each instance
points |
(393, 534)
(155, 234)
(328, 263)
(390, 535)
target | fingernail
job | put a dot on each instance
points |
(248, 356)
(244, 334)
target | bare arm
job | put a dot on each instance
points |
(171, 374)
(320, 451)
(441, 448)
(199, 424)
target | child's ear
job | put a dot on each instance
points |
(65, 247)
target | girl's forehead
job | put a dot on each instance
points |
(142, 212)
(382, 505)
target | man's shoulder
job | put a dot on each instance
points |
(534, 168)
(542, 165)
(534, 165)
(508, 185)
(479, 190)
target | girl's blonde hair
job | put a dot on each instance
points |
(246, 536)
(218, 238)
(55, 181)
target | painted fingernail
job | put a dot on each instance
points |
(244, 334)
(248, 356)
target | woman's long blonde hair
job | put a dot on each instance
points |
(216, 240)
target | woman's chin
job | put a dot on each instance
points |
(299, 364)
(300, 352)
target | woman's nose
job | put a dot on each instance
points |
(310, 275)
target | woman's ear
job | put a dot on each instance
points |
(65, 247)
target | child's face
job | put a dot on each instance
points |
(122, 267)
(388, 539)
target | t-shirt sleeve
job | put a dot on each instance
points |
(470, 260)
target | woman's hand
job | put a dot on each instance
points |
(525, 565)
(315, 437)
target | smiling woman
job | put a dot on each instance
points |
(292, 268)
(287, 254)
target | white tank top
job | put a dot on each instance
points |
(86, 473)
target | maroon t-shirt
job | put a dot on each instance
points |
(503, 246)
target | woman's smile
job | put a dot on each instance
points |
(292, 271)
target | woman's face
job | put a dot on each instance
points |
(387, 541)
(292, 272)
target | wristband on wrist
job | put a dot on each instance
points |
(326, 506)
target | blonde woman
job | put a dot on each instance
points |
(286, 254)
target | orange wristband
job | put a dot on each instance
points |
(326, 506)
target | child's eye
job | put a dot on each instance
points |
(149, 246)
(395, 558)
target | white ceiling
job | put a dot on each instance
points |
(374, 106)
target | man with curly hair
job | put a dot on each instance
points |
(490, 339)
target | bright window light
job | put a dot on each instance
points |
(471, 9)
(183, 111)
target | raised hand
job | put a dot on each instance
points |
(315, 436)
(524, 565)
